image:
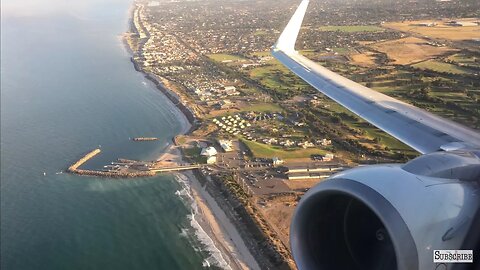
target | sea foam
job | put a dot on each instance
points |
(216, 258)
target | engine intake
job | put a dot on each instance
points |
(343, 226)
(381, 217)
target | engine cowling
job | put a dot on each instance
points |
(382, 217)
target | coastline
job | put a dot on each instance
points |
(219, 228)
(208, 214)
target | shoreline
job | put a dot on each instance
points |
(220, 229)
(213, 220)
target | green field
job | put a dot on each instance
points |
(442, 67)
(370, 131)
(194, 154)
(261, 54)
(262, 107)
(220, 57)
(276, 76)
(468, 61)
(351, 28)
(268, 151)
(260, 33)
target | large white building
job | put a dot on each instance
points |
(209, 151)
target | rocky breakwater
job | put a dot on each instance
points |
(141, 139)
(74, 168)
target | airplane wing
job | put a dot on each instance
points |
(421, 130)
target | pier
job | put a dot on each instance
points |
(177, 168)
(143, 139)
(126, 168)
(84, 159)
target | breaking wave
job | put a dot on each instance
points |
(216, 258)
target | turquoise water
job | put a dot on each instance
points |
(67, 86)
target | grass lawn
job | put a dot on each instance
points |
(261, 54)
(275, 76)
(220, 57)
(371, 131)
(262, 107)
(194, 154)
(465, 60)
(351, 28)
(341, 50)
(260, 33)
(442, 67)
(268, 151)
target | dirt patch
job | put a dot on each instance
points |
(302, 183)
(363, 59)
(279, 212)
(410, 50)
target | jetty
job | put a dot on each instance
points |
(84, 159)
(177, 168)
(142, 139)
(126, 168)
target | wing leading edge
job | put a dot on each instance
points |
(421, 130)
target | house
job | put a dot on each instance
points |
(225, 104)
(277, 161)
(324, 142)
(230, 90)
(328, 157)
(315, 102)
(305, 144)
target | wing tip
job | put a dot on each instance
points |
(287, 39)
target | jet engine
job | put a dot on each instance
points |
(388, 216)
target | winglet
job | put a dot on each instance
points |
(286, 41)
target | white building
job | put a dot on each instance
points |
(328, 157)
(209, 151)
(277, 161)
(212, 160)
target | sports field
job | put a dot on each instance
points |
(269, 151)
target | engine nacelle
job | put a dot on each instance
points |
(382, 217)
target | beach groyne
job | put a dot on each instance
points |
(114, 174)
(84, 159)
(74, 168)
(143, 139)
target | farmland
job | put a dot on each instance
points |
(440, 30)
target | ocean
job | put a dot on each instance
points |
(67, 87)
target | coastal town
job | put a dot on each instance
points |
(260, 137)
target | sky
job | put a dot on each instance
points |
(38, 8)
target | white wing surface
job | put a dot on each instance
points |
(421, 130)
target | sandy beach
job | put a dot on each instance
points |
(220, 229)
(211, 218)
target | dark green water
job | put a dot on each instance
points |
(67, 86)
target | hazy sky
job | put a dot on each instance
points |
(26, 8)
